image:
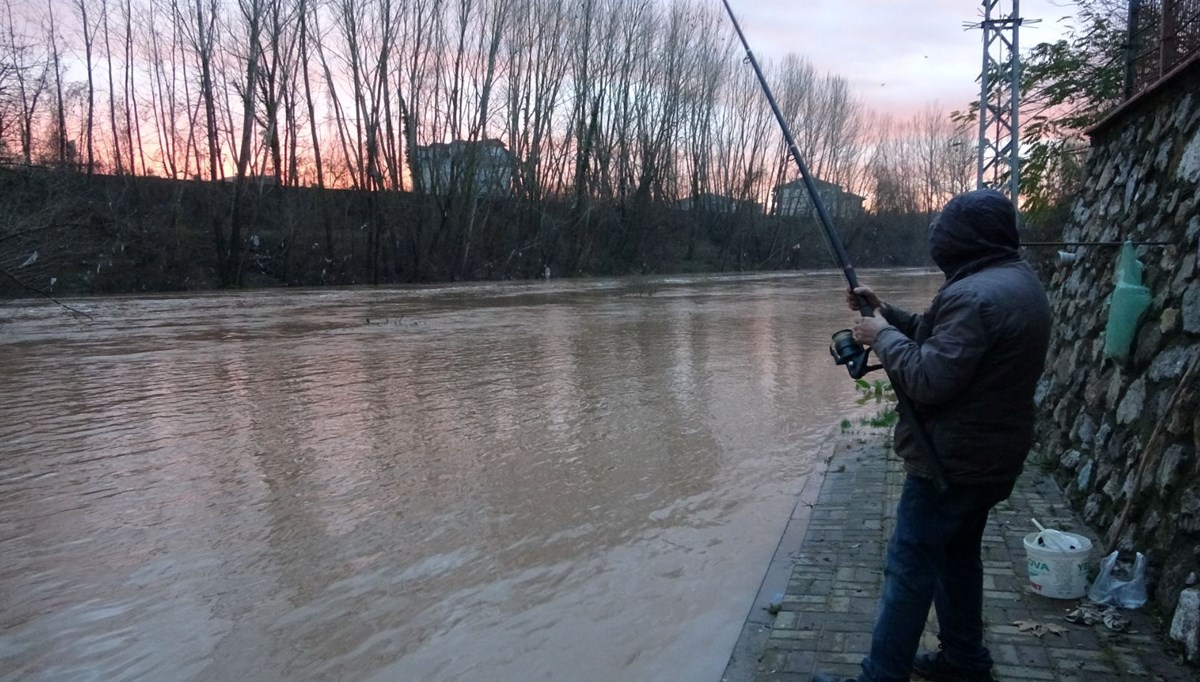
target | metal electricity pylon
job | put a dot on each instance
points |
(999, 96)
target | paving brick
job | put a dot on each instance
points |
(837, 575)
(1004, 673)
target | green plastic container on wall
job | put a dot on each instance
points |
(1127, 305)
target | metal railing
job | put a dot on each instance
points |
(1162, 35)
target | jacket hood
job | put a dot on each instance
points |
(974, 231)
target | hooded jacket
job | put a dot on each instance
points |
(971, 362)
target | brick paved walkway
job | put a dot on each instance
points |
(828, 608)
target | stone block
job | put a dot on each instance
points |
(1074, 282)
(1084, 430)
(1098, 351)
(1186, 210)
(1102, 435)
(1094, 507)
(1105, 469)
(1168, 321)
(1151, 522)
(1112, 488)
(1131, 405)
(1161, 121)
(1070, 460)
(1189, 163)
(1064, 365)
(1185, 626)
(1115, 385)
(1189, 511)
(1044, 388)
(1183, 111)
(1165, 218)
(1163, 157)
(1063, 413)
(1196, 431)
(1184, 275)
(1084, 479)
(1111, 209)
(1170, 363)
(1149, 339)
(1185, 409)
(1191, 309)
(1172, 466)
(1106, 178)
(1094, 388)
(1118, 447)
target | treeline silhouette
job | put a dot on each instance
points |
(121, 234)
(607, 112)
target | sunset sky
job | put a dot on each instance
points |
(898, 55)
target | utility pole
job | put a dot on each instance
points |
(999, 97)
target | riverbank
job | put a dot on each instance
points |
(70, 234)
(832, 554)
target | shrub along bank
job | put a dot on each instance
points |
(73, 234)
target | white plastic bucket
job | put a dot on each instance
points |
(1058, 573)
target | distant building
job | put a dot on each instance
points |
(444, 167)
(792, 199)
(716, 203)
(262, 179)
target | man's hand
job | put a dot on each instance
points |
(867, 328)
(870, 296)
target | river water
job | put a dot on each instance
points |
(533, 481)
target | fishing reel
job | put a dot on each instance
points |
(846, 351)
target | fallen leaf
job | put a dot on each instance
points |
(1038, 629)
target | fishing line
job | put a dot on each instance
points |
(845, 350)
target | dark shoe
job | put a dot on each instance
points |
(933, 666)
(826, 677)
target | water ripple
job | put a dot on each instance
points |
(455, 483)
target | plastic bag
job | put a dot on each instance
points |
(1110, 589)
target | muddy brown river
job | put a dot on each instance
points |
(536, 481)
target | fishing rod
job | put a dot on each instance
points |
(845, 350)
(1068, 257)
(835, 242)
(1097, 243)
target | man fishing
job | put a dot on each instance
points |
(969, 367)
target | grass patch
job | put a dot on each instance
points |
(884, 419)
(881, 393)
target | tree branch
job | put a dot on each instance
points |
(74, 311)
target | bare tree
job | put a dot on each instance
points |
(276, 87)
(59, 139)
(895, 169)
(118, 159)
(163, 97)
(198, 29)
(422, 37)
(252, 14)
(537, 47)
(132, 115)
(29, 77)
(88, 32)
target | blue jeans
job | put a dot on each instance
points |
(934, 557)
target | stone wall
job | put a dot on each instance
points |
(1123, 439)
